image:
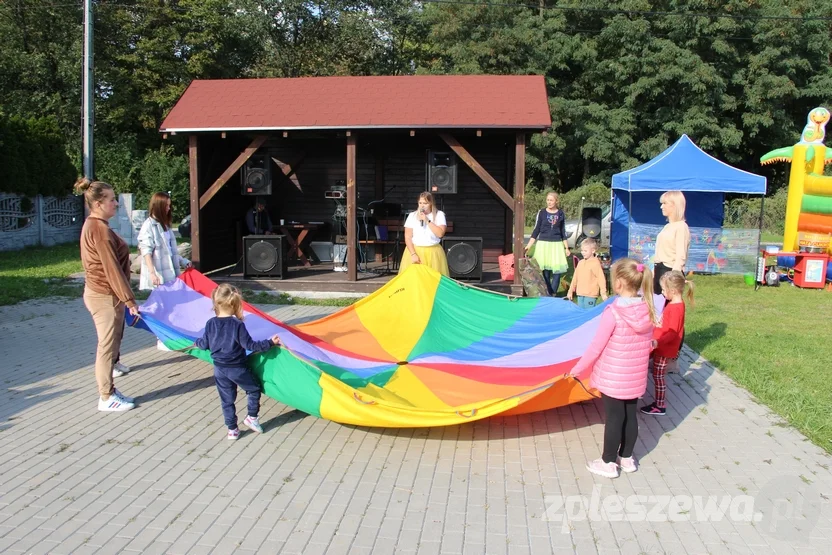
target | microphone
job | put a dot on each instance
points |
(422, 210)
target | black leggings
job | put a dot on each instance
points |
(659, 270)
(621, 430)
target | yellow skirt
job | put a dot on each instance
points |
(430, 256)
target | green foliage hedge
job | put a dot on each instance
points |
(594, 194)
(119, 163)
(741, 213)
(33, 157)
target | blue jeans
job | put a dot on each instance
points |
(552, 281)
(587, 302)
(227, 381)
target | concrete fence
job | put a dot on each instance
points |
(48, 221)
(39, 221)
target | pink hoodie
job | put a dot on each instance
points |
(619, 352)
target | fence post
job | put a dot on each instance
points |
(39, 218)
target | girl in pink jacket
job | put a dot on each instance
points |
(617, 358)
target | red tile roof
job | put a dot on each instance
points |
(417, 101)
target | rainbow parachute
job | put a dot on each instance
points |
(423, 350)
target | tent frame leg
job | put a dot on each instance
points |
(759, 242)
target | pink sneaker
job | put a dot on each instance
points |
(628, 465)
(234, 434)
(599, 467)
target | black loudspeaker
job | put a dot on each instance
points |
(464, 257)
(264, 256)
(256, 175)
(591, 219)
(441, 173)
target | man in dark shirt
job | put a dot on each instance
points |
(258, 221)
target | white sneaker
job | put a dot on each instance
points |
(253, 423)
(120, 370)
(161, 346)
(114, 404)
(123, 396)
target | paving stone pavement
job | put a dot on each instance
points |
(163, 479)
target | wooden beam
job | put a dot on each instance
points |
(352, 243)
(289, 170)
(194, 187)
(223, 134)
(519, 201)
(412, 133)
(231, 170)
(466, 157)
(479, 132)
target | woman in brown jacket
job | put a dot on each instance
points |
(106, 260)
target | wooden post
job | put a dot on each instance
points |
(352, 240)
(194, 171)
(519, 201)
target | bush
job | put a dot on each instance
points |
(33, 158)
(165, 171)
(744, 213)
(594, 194)
(119, 164)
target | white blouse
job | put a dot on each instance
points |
(422, 235)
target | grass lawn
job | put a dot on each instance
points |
(44, 272)
(774, 342)
(261, 297)
(39, 272)
(767, 237)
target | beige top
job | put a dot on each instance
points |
(672, 245)
(589, 279)
(106, 259)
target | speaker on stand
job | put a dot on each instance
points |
(256, 175)
(265, 256)
(464, 256)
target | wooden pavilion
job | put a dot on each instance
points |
(369, 137)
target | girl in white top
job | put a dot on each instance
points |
(161, 262)
(423, 231)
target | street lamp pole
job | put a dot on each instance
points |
(88, 91)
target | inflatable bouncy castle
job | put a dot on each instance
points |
(808, 226)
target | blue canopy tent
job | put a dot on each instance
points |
(681, 167)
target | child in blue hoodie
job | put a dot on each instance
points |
(228, 340)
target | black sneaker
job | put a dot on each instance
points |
(653, 410)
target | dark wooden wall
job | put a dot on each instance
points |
(392, 162)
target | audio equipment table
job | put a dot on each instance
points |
(298, 237)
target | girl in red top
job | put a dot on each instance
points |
(668, 337)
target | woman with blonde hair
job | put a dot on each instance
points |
(106, 260)
(673, 241)
(423, 232)
(548, 242)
